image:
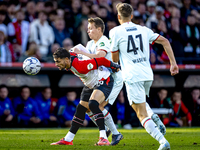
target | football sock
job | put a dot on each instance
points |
(150, 127)
(78, 118)
(109, 122)
(99, 118)
(69, 137)
(90, 114)
(149, 110)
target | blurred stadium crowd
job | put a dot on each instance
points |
(42, 110)
(38, 27)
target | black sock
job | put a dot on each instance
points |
(78, 119)
(99, 117)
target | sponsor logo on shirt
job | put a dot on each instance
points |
(130, 29)
(90, 66)
(139, 60)
(101, 44)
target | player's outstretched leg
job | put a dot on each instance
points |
(156, 119)
(150, 127)
(99, 118)
(77, 122)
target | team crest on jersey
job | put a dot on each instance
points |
(101, 44)
(90, 66)
(110, 40)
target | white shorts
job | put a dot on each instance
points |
(117, 86)
(137, 91)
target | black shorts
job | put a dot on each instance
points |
(105, 86)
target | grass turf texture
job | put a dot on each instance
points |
(135, 139)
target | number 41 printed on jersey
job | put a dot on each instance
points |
(134, 48)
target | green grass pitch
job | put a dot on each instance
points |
(135, 139)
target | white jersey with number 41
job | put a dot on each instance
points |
(132, 42)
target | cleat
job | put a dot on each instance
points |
(102, 142)
(164, 146)
(116, 138)
(108, 133)
(158, 122)
(62, 142)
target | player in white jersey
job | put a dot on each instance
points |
(100, 47)
(130, 45)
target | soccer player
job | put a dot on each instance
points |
(98, 85)
(99, 46)
(130, 44)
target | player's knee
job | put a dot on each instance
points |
(93, 105)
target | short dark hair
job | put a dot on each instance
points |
(3, 12)
(125, 10)
(23, 87)
(98, 22)
(61, 53)
(3, 86)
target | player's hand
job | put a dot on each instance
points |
(76, 50)
(53, 118)
(174, 69)
(9, 118)
(115, 67)
(6, 112)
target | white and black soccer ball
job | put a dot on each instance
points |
(31, 66)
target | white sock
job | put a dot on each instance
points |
(149, 110)
(109, 122)
(69, 137)
(103, 134)
(90, 114)
(150, 127)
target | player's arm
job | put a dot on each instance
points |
(85, 66)
(168, 49)
(100, 53)
(115, 56)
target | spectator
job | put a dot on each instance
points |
(60, 13)
(26, 109)
(141, 11)
(193, 35)
(39, 6)
(52, 18)
(133, 4)
(66, 108)
(3, 27)
(42, 34)
(154, 59)
(49, 58)
(153, 20)
(194, 106)
(32, 51)
(11, 11)
(67, 43)
(6, 108)
(81, 32)
(44, 102)
(186, 10)
(18, 31)
(160, 100)
(151, 5)
(178, 38)
(30, 11)
(60, 31)
(48, 6)
(4, 7)
(5, 51)
(182, 116)
(120, 107)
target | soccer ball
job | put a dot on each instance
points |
(31, 66)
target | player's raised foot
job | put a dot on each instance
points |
(159, 123)
(102, 142)
(62, 142)
(108, 132)
(116, 138)
(165, 146)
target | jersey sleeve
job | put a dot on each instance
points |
(84, 66)
(103, 45)
(152, 36)
(113, 41)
